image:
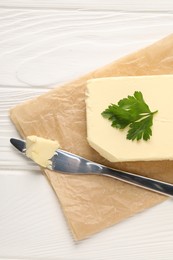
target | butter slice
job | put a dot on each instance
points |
(40, 149)
(110, 142)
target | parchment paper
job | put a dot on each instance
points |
(92, 203)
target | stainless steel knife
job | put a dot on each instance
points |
(69, 163)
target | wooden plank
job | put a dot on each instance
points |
(125, 5)
(32, 35)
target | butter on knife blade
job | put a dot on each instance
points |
(65, 162)
(40, 150)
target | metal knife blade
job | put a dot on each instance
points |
(69, 163)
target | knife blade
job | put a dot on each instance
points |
(69, 163)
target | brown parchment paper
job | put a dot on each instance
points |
(92, 203)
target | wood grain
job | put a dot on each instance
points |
(125, 5)
(35, 42)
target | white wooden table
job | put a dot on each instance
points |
(42, 44)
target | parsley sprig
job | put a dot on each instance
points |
(134, 113)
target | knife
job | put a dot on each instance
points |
(68, 163)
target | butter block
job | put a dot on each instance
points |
(111, 143)
(40, 149)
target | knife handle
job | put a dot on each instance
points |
(140, 181)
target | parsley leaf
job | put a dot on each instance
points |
(134, 113)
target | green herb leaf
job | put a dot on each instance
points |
(133, 112)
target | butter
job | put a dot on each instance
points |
(40, 149)
(110, 142)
